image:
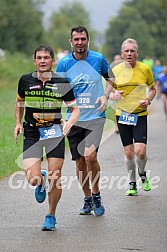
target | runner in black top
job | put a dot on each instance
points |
(42, 94)
(43, 101)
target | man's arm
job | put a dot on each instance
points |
(150, 97)
(19, 111)
(109, 88)
(75, 113)
(109, 93)
(151, 94)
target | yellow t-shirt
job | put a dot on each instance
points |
(135, 83)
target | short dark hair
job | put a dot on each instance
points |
(80, 29)
(44, 48)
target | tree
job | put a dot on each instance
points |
(68, 16)
(145, 21)
(21, 25)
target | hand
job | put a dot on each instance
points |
(144, 103)
(103, 103)
(66, 127)
(117, 95)
(17, 130)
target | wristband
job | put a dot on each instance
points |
(106, 95)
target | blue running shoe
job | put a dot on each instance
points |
(88, 206)
(98, 206)
(40, 191)
(50, 222)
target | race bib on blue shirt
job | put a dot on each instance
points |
(85, 100)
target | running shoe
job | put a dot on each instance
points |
(40, 191)
(50, 222)
(98, 207)
(146, 184)
(132, 191)
(88, 206)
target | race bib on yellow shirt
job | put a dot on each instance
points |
(129, 119)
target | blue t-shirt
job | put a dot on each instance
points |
(157, 70)
(86, 80)
(163, 83)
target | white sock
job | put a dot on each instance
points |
(141, 165)
(131, 167)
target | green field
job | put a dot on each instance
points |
(11, 69)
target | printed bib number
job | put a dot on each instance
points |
(129, 119)
(85, 101)
(50, 132)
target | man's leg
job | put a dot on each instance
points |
(55, 156)
(141, 159)
(83, 176)
(131, 168)
(164, 103)
(32, 168)
(130, 162)
(36, 177)
(54, 178)
(94, 172)
(93, 169)
(140, 138)
(54, 193)
(32, 154)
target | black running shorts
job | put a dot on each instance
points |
(130, 134)
(85, 134)
(35, 148)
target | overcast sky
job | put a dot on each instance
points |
(100, 10)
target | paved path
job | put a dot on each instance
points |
(130, 223)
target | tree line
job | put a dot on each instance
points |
(145, 21)
(22, 29)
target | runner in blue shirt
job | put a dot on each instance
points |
(85, 69)
(162, 80)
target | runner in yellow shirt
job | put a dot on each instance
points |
(136, 82)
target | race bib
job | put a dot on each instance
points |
(50, 132)
(129, 119)
(85, 101)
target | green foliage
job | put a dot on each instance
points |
(68, 16)
(21, 25)
(9, 151)
(11, 69)
(145, 21)
(22, 30)
(15, 65)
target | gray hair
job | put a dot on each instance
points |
(129, 40)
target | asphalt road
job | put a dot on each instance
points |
(130, 223)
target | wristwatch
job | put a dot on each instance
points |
(149, 101)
